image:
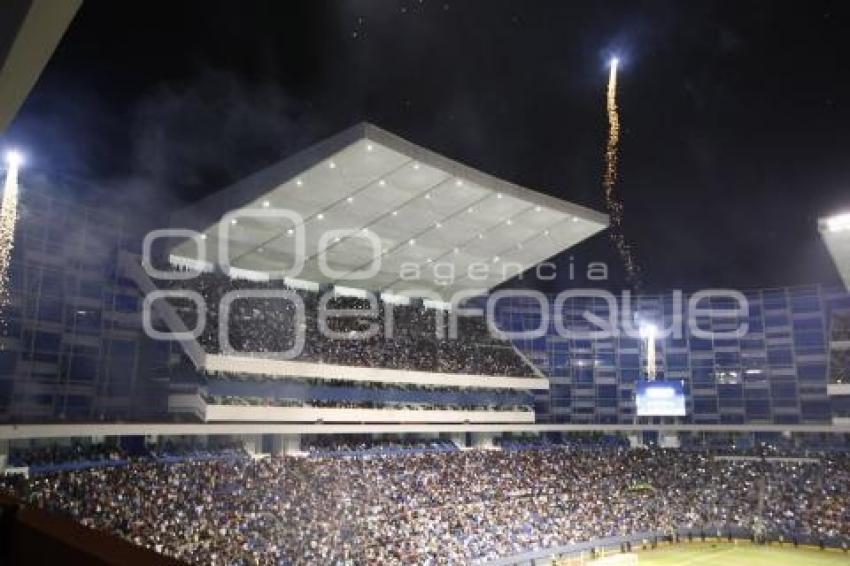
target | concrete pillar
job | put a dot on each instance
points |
(668, 440)
(286, 444)
(458, 438)
(483, 440)
(4, 455)
(635, 439)
(253, 443)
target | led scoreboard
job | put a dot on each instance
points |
(660, 399)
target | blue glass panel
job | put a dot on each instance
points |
(757, 408)
(811, 372)
(703, 405)
(47, 342)
(814, 323)
(815, 410)
(773, 320)
(726, 392)
(606, 391)
(805, 304)
(727, 359)
(779, 357)
(677, 361)
(629, 375)
(786, 419)
(784, 389)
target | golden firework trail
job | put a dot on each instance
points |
(612, 202)
(8, 218)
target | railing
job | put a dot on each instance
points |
(243, 413)
(194, 404)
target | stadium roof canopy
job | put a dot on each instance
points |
(438, 226)
(835, 231)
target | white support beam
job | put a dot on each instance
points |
(833, 389)
(35, 431)
(243, 413)
(30, 30)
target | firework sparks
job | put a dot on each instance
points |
(612, 202)
(8, 217)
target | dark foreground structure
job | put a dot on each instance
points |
(33, 536)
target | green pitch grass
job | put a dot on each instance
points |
(741, 554)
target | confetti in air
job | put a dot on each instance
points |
(8, 217)
(612, 203)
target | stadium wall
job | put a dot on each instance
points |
(786, 369)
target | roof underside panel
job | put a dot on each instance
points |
(369, 210)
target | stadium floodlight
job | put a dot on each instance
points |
(835, 232)
(838, 222)
(14, 158)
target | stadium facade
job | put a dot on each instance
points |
(73, 346)
(790, 367)
(75, 349)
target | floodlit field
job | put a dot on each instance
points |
(741, 554)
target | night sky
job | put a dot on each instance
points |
(736, 115)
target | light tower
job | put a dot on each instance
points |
(648, 332)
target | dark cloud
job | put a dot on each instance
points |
(190, 135)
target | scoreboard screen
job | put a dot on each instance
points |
(660, 399)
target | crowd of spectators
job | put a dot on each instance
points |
(264, 380)
(418, 338)
(75, 452)
(441, 507)
(366, 445)
(79, 455)
(362, 404)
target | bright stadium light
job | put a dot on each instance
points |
(835, 232)
(14, 158)
(838, 222)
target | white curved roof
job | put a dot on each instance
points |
(441, 226)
